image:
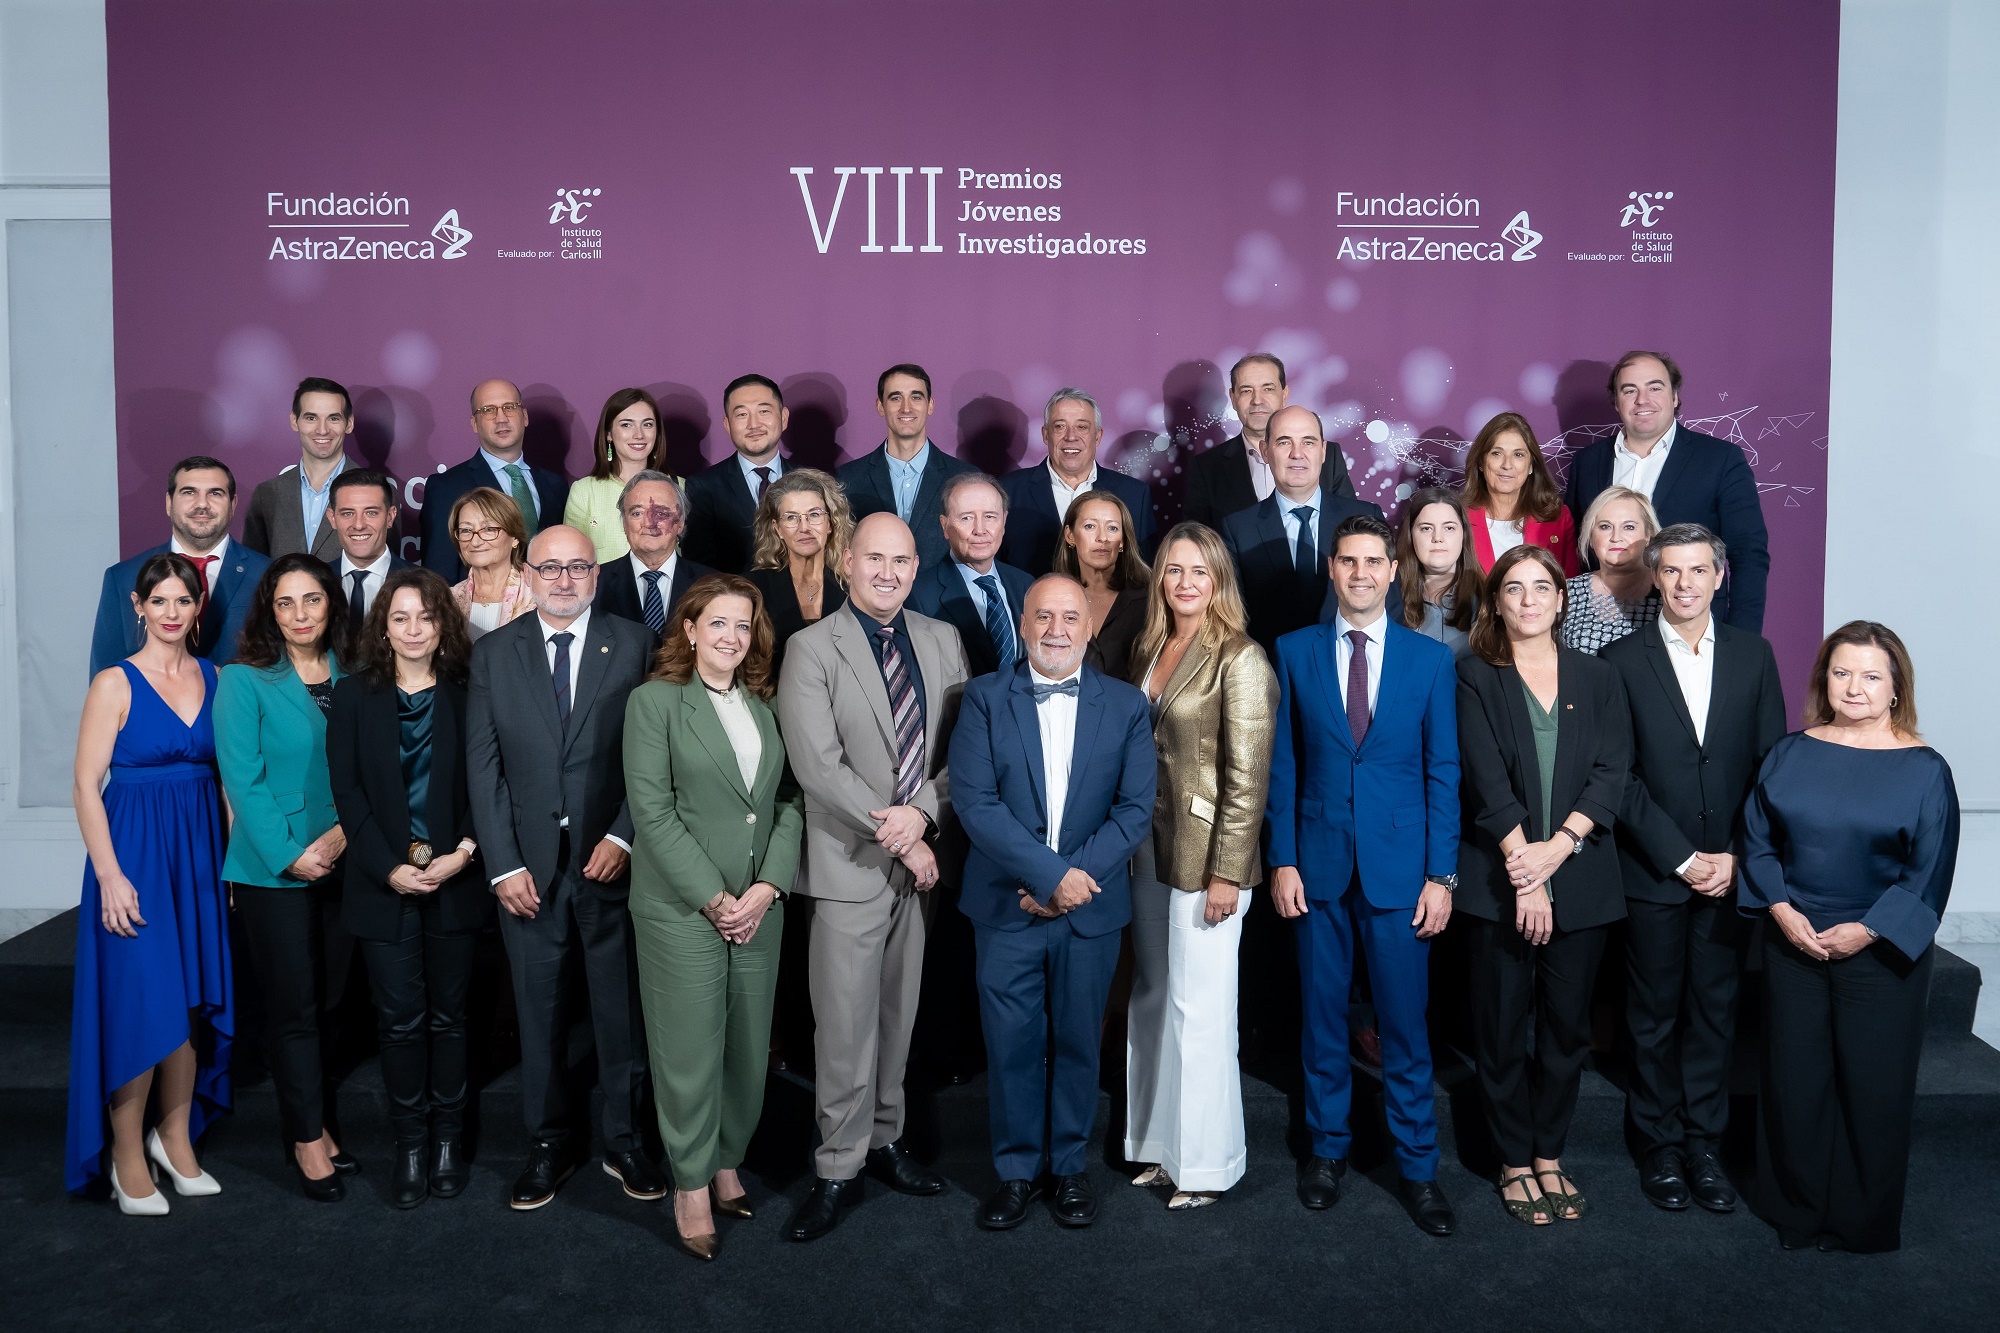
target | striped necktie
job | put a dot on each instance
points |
(907, 716)
(999, 627)
(654, 610)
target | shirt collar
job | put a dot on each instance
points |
(1377, 633)
(576, 627)
(870, 624)
(500, 465)
(1088, 483)
(221, 551)
(1286, 506)
(380, 565)
(1675, 641)
(777, 466)
(667, 566)
(915, 464)
(1037, 678)
(339, 466)
(1660, 448)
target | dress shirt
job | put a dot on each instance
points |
(1056, 714)
(972, 576)
(750, 477)
(579, 627)
(504, 481)
(1262, 480)
(870, 626)
(1640, 474)
(905, 478)
(1064, 493)
(1694, 668)
(370, 585)
(667, 567)
(1343, 654)
(741, 727)
(220, 555)
(1505, 534)
(313, 503)
(1288, 511)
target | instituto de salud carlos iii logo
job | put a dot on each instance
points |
(571, 205)
(1645, 208)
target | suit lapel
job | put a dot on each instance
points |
(1516, 702)
(1719, 672)
(1673, 469)
(933, 678)
(596, 646)
(1023, 705)
(1569, 753)
(535, 662)
(1329, 658)
(861, 660)
(286, 682)
(1089, 717)
(928, 485)
(1191, 664)
(706, 724)
(1670, 685)
(1242, 489)
(1388, 695)
(771, 762)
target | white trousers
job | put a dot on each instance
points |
(1184, 1093)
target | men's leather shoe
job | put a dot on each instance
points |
(548, 1167)
(894, 1165)
(1707, 1183)
(1007, 1207)
(1663, 1178)
(1319, 1181)
(1428, 1207)
(448, 1168)
(638, 1176)
(409, 1186)
(822, 1208)
(1076, 1201)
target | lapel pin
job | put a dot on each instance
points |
(603, 647)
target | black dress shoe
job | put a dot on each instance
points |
(448, 1168)
(1663, 1178)
(639, 1177)
(1007, 1207)
(821, 1211)
(1075, 1202)
(345, 1164)
(1708, 1184)
(895, 1167)
(1427, 1206)
(1319, 1181)
(548, 1167)
(410, 1185)
(323, 1189)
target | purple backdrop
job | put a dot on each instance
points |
(601, 194)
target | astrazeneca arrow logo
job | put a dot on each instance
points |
(1523, 237)
(454, 237)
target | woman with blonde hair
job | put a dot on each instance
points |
(1097, 550)
(1616, 595)
(799, 537)
(492, 540)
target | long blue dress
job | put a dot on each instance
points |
(134, 997)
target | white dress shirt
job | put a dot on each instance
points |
(1343, 655)
(741, 728)
(1694, 668)
(1057, 715)
(1288, 513)
(1504, 533)
(1640, 474)
(371, 582)
(503, 480)
(640, 569)
(1262, 480)
(209, 572)
(1065, 494)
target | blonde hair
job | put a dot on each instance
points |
(768, 549)
(1227, 618)
(1611, 495)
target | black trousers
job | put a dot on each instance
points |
(420, 981)
(300, 955)
(1519, 989)
(577, 927)
(1841, 1042)
(1683, 967)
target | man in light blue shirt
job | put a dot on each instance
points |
(905, 474)
(500, 421)
(970, 589)
(288, 513)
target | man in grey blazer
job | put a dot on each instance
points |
(545, 728)
(867, 700)
(282, 509)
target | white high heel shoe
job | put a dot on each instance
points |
(185, 1186)
(153, 1205)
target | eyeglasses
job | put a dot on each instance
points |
(555, 569)
(490, 533)
(792, 518)
(498, 409)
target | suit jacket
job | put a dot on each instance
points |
(274, 525)
(270, 747)
(997, 782)
(1686, 796)
(117, 635)
(941, 594)
(527, 771)
(364, 741)
(842, 741)
(1034, 527)
(1557, 537)
(721, 509)
(1705, 481)
(1110, 649)
(1388, 809)
(1213, 731)
(441, 492)
(866, 481)
(618, 592)
(1503, 785)
(1219, 481)
(699, 830)
(1280, 597)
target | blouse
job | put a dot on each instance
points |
(1504, 534)
(413, 715)
(1547, 731)
(322, 694)
(1597, 618)
(741, 727)
(483, 617)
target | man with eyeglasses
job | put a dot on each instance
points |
(545, 727)
(644, 585)
(501, 423)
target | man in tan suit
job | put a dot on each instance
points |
(867, 702)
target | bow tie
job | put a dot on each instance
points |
(1042, 692)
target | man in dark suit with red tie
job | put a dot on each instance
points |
(722, 498)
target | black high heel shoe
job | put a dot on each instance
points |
(327, 1189)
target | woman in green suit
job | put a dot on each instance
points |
(285, 838)
(717, 824)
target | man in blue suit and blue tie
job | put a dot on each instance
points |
(1364, 852)
(201, 500)
(1053, 775)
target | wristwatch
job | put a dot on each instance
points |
(1449, 883)
(930, 829)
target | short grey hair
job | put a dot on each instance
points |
(680, 488)
(1067, 395)
(960, 480)
(1685, 534)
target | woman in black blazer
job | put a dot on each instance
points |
(1098, 549)
(396, 753)
(1545, 743)
(801, 531)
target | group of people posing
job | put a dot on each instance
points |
(655, 727)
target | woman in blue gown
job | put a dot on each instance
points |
(152, 1015)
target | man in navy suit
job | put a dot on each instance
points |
(1281, 544)
(362, 508)
(723, 498)
(1237, 473)
(1690, 478)
(906, 475)
(1052, 775)
(967, 587)
(1039, 496)
(501, 422)
(1364, 851)
(644, 585)
(201, 499)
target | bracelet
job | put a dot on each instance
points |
(1570, 833)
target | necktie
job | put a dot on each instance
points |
(999, 627)
(207, 619)
(763, 480)
(524, 499)
(355, 597)
(909, 722)
(562, 642)
(1304, 556)
(1041, 692)
(1357, 685)
(654, 610)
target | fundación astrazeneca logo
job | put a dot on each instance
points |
(1522, 236)
(570, 206)
(373, 225)
(451, 235)
(1645, 208)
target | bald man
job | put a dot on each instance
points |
(500, 421)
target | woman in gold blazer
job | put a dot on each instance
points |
(1214, 701)
(716, 822)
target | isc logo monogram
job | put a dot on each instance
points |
(902, 174)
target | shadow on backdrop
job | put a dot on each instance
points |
(551, 426)
(818, 404)
(684, 424)
(158, 427)
(992, 432)
(1582, 405)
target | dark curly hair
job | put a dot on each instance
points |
(262, 643)
(676, 657)
(375, 659)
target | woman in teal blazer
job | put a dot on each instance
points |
(285, 838)
(717, 823)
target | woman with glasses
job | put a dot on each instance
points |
(799, 536)
(493, 542)
(628, 442)
(1096, 549)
